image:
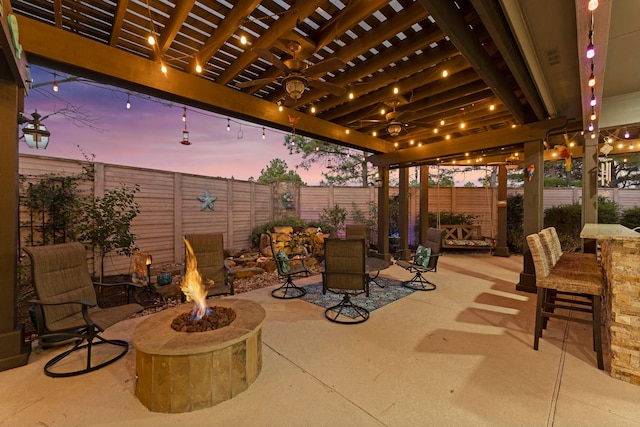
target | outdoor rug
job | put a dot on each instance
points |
(378, 297)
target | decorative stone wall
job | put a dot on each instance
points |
(303, 243)
(182, 372)
(621, 262)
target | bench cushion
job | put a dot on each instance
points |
(459, 242)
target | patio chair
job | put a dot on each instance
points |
(585, 287)
(67, 309)
(287, 268)
(425, 260)
(357, 231)
(345, 273)
(217, 273)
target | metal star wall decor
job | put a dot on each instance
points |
(207, 200)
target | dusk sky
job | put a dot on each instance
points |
(147, 135)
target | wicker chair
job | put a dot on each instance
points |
(217, 274)
(566, 260)
(586, 288)
(345, 273)
(67, 310)
(288, 269)
(423, 262)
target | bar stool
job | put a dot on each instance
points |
(569, 282)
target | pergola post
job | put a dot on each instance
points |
(14, 351)
(383, 213)
(424, 202)
(533, 209)
(501, 243)
(403, 210)
(589, 189)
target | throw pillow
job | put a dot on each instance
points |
(422, 256)
(283, 261)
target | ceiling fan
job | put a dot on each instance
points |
(296, 74)
(393, 118)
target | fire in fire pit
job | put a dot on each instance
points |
(202, 317)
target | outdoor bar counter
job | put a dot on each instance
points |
(620, 255)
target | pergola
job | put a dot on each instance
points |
(516, 82)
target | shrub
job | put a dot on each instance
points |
(333, 218)
(631, 217)
(451, 218)
(608, 211)
(515, 220)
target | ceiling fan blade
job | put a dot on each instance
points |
(267, 55)
(372, 121)
(327, 87)
(256, 82)
(323, 67)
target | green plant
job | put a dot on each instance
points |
(631, 217)
(106, 222)
(515, 220)
(333, 218)
(451, 218)
(608, 211)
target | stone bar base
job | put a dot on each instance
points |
(621, 262)
(182, 372)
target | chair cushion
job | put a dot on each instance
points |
(283, 261)
(423, 254)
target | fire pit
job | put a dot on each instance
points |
(182, 372)
(188, 359)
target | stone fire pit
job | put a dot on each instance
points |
(182, 372)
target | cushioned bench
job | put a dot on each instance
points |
(462, 236)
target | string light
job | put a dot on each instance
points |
(445, 73)
(151, 40)
(163, 68)
(128, 104)
(263, 134)
(198, 68)
(626, 134)
(592, 77)
(184, 115)
(593, 5)
(591, 52)
(228, 124)
(590, 127)
(55, 82)
(593, 113)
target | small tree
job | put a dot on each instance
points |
(334, 218)
(278, 170)
(106, 223)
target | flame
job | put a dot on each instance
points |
(192, 285)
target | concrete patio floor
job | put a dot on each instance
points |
(458, 356)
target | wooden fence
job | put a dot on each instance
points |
(170, 208)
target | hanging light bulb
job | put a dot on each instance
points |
(395, 90)
(593, 101)
(184, 115)
(313, 109)
(626, 134)
(445, 73)
(592, 5)
(163, 68)
(263, 135)
(228, 124)
(151, 40)
(590, 127)
(198, 68)
(128, 104)
(593, 113)
(592, 77)
(351, 95)
(55, 83)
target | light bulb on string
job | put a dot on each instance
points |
(593, 113)
(626, 134)
(184, 115)
(198, 68)
(55, 82)
(592, 5)
(128, 104)
(263, 134)
(592, 77)
(228, 125)
(163, 68)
